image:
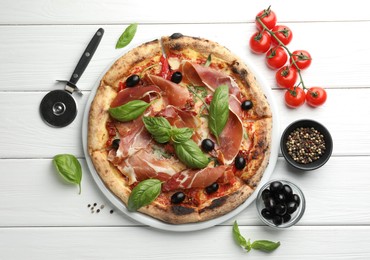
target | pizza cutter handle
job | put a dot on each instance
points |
(86, 56)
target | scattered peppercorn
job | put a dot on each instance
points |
(305, 145)
(111, 211)
(95, 204)
(88, 205)
(98, 210)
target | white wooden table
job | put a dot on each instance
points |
(43, 218)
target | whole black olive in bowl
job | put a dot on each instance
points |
(280, 204)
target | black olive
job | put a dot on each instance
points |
(267, 214)
(115, 143)
(176, 36)
(239, 162)
(280, 209)
(266, 194)
(291, 207)
(279, 197)
(208, 145)
(270, 203)
(176, 77)
(286, 218)
(212, 188)
(278, 220)
(275, 186)
(177, 197)
(296, 199)
(247, 104)
(132, 81)
(287, 190)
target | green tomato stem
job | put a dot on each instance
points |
(258, 18)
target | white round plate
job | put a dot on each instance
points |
(155, 223)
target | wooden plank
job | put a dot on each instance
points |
(57, 50)
(216, 243)
(92, 12)
(32, 194)
(24, 135)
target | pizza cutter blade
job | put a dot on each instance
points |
(58, 108)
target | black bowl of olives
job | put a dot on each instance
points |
(280, 204)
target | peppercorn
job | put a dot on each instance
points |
(305, 145)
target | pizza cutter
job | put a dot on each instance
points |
(58, 108)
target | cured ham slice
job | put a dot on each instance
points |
(176, 94)
(194, 178)
(145, 164)
(139, 92)
(200, 75)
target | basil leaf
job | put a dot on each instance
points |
(208, 61)
(240, 239)
(129, 111)
(143, 194)
(219, 111)
(180, 135)
(127, 36)
(159, 127)
(69, 168)
(265, 245)
(191, 155)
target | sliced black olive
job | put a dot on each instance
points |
(176, 77)
(276, 186)
(239, 162)
(212, 188)
(115, 143)
(132, 81)
(208, 145)
(176, 36)
(177, 197)
(247, 104)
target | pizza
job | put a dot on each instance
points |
(188, 115)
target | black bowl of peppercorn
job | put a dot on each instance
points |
(306, 144)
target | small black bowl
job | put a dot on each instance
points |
(323, 158)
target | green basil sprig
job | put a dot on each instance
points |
(219, 111)
(159, 128)
(186, 149)
(143, 194)
(127, 36)
(180, 135)
(191, 155)
(129, 111)
(263, 245)
(69, 168)
(208, 61)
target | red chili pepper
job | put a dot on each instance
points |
(121, 86)
(208, 99)
(165, 67)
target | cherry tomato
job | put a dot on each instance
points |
(316, 96)
(283, 33)
(286, 77)
(276, 57)
(260, 42)
(302, 59)
(268, 17)
(295, 97)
